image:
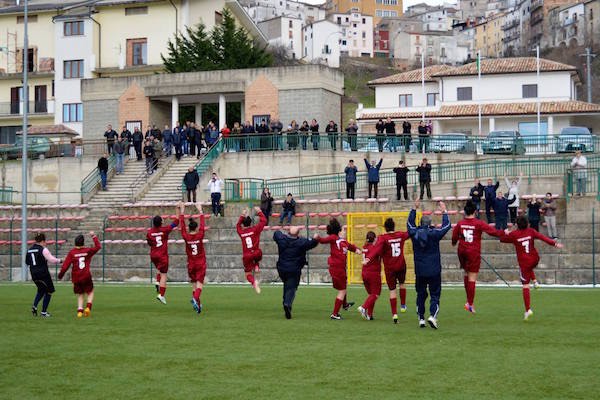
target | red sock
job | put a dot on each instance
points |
(470, 292)
(526, 298)
(371, 299)
(157, 277)
(336, 307)
(533, 278)
(197, 294)
(403, 296)
(80, 310)
(465, 281)
(394, 305)
(162, 290)
(89, 305)
(250, 278)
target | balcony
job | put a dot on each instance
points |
(35, 107)
(511, 24)
(535, 4)
(570, 21)
(536, 18)
(511, 37)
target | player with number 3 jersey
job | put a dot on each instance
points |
(193, 237)
(158, 240)
(467, 233)
(251, 252)
(79, 259)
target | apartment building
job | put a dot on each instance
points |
(377, 8)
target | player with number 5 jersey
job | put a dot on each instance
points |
(158, 240)
(79, 258)
(467, 233)
(251, 252)
(193, 237)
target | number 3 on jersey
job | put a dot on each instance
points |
(194, 249)
(468, 235)
(249, 242)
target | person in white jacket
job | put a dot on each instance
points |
(579, 165)
(215, 185)
(513, 190)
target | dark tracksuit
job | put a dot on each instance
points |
(490, 195)
(350, 181)
(533, 215)
(401, 181)
(424, 179)
(428, 265)
(40, 275)
(292, 258)
(476, 198)
(501, 211)
(373, 175)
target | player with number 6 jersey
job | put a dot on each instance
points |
(79, 258)
(193, 237)
(467, 233)
(158, 240)
(251, 252)
(524, 240)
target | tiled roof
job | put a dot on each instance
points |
(471, 110)
(507, 65)
(412, 76)
(49, 130)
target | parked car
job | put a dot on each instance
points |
(36, 147)
(573, 138)
(451, 143)
(503, 142)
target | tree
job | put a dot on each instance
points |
(225, 47)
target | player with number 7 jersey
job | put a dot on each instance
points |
(196, 256)
(251, 252)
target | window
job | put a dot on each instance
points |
(137, 51)
(30, 19)
(364, 35)
(431, 99)
(464, 93)
(290, 24)
(364, 21)
(73, 69)
(31, 59)
(339, 20)
(73, 112)
(290, 34)
(530, 91)
(406, 100)
(73, 28)
(136, 10)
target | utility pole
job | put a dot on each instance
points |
(588, 55)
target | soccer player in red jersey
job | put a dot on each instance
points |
(371, 276)
(193, 237)
(339, 247)
(158, 240)
(527, 256)
(251, 252)
(79, 258)
(467, 233)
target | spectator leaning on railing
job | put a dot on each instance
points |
(579, 165)
(423, 137)
(373, 175)
(304, 128)
(191, 180)
(352, 131)
(332, 132)
(350, 171)
(390, 131)
(314, 134)
(406, 135)
(103, 169)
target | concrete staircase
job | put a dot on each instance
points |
(118, 187)
(168, 186)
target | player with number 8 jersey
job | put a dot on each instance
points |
(158, 240)
(251, 252)
(196, 256)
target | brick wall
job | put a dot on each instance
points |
(261, 98)
(134, 106)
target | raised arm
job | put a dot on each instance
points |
(97, 245)
(379, 163)
(49, 257)
(490, 230)
(262, 220)
(367, 164)
(411, 223)
(544, 238)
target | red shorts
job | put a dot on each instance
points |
(339, 279)
(391, 277)
(197, 273)
(161, 264)
(469, 262)
(372, 282)
(527, 274)
(83, 287)
(251, 261)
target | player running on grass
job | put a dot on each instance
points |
(337, 264)
(252, 254)
(371, 276)
(80, 258)
(527, 256)
(158, 240)
(467, 233)
(196, 256)
(38, 257)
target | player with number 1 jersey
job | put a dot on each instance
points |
(196, 256)
(251, 252)
(467, 233)
(158, 240)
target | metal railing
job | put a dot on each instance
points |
(51, 148)
(6, 195)
(209, 157)
(582, 181)
(92, 182)
(16, 108)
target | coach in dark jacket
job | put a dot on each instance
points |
(500, 207)
(373, 175)
(190, 180)
(401, 172)
(428, 265)
(137, 137)
(350, 171)
(292, 258)
(490, 194)
(424, 170)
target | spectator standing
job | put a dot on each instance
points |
(126, 136)
(167, 135)
(292, 135)
(533, 212)
(191, 180)
(579, 165)
(390, 131)
(119, 151)
(314, 134)
(215, 186)
(137, 139)
(490, 194)
(423, 137)
(264, 142)
(183, 132)
(236, 135)
(304, 128)
(111, 136)
(549, 208)
(288, 209)
(158, 151)
(373, 174)
(500, 207)
(149, 154)
(103, 169)
(212, 135)
(177, 142)
(476, 193)
(276, 128)
(352, 131)
(191, 138)
(225, 132)
(513, 193)
(247, 130)
(156, 132)
(401, 172)
(380, 136)
(350, 171)
(332, 133)
(148, 132)
(406, 135)
(424, 170)
(201, 145)
(266, 203)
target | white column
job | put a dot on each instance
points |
(174, 111)
(198, 114)
(492, 124)
(242, 112)
(222, 111)
(550, 125)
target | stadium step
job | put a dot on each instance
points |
(168, 187)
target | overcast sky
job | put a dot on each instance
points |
(406, 2)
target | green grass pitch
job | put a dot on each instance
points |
(241, 347)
